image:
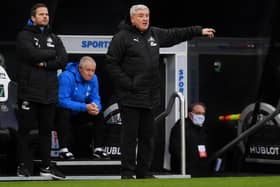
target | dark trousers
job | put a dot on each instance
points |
(32, 116)
(68, 123)
(137, 129)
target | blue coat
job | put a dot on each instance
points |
(74, 92)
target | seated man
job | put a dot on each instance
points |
(79, 103)
(196, 148)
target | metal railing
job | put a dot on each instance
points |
(165, 113)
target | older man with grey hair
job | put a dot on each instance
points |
(132, 63)
(79, 103)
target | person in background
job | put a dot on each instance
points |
(40, 54)
(132, 62)
(79, 103)
(196, 143)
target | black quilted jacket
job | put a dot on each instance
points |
(39, 84)
(132, 61)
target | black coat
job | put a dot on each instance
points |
(132, 62)
(39, 84)
(195, 136)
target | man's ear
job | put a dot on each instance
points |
(79, 68)
(190, 115)
(132, 20)
(33, 19)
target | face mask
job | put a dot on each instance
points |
(198, 119)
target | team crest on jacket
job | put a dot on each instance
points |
(152, 42)
(50, 42)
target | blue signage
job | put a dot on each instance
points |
(181, 84)
(102, 44)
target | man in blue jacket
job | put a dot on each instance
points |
(132, 63)
(79, 103)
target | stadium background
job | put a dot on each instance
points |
(231, 19)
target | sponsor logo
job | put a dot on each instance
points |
(181, 84)
(264, 150)
(112, 150)
(102, 44)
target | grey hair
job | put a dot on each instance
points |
(86, 59)
(134, 8)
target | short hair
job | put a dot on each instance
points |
(86, 59)
(34, 8)
(134, 8)
(195, 104)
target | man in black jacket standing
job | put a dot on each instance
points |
(132, 62)
(40, 54)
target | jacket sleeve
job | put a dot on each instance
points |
(94, 96)
(170, 37)
(61, 56)
(114, 59)
(34, 55)
(66, 84)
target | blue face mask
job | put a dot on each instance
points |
(198, 119)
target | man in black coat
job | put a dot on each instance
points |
(40, 54)
(133, 64)
(196, 143)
